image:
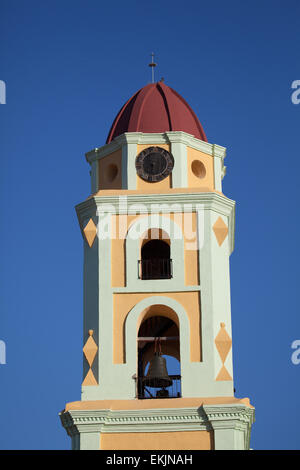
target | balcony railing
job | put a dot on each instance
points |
(155, 268)
(173, 391)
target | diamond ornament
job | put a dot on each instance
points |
(90, 348)
(90, 232)
(221, 230)
(223, 344)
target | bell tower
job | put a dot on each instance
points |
(158, 233)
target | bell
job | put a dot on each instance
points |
(157, 375)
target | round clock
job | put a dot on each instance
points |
(154, 164)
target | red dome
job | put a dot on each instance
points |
(156, 108)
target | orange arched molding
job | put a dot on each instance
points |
(120, 226)
(158, 310)
(123, 303)
(155, 234)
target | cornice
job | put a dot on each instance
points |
(156, 138)
(127, 203)
(158, 420)
(132, 204)
(221, 412)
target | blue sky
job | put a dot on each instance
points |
(68, 67)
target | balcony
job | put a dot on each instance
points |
(155, 268)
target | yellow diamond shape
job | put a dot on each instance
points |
(90, 232)
(221, 230)
(90, 349)
(223, 342)
(90, 379)
(223, 374)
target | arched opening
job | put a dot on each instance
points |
(155, 260)
(158, 356)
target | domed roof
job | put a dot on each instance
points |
(156, 108)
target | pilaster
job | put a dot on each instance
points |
(231, 425)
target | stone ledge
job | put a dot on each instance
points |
(189, 415)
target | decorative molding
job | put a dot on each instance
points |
(141, 138)
(224, 169)
(218, 151)
(208, 199)
(206, 417)
(177, 202)
(228, 417)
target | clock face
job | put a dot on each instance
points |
(154, 164)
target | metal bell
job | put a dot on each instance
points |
(157, 375)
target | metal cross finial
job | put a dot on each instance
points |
(152, 65)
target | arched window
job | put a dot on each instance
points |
(158, 358)
(155, 260)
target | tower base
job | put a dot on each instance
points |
(222, 423)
